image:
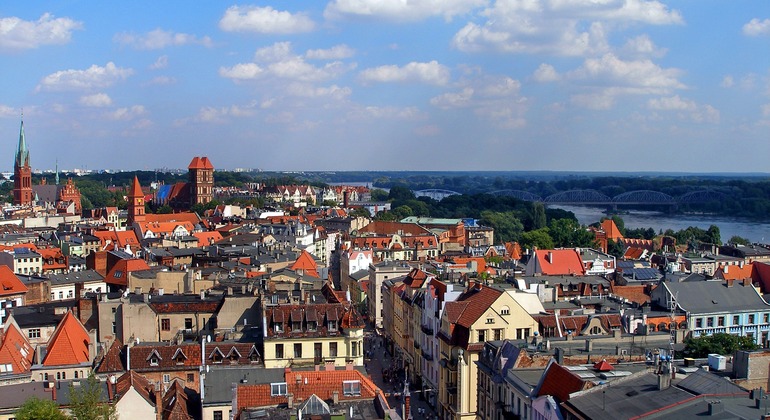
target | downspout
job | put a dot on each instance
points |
(558, 323)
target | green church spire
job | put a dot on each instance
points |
(22, 153)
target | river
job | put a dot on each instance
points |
(754, 231)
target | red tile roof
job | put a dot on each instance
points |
(303, 384)
(636, 294)
(200, 163)
(611, 230)
(136, 189)
(15, 349)
(205, 238)
(11, 285)
(559, 382)
(132, 379)
(381, 227)
(559, 262)
(68, 344)
(175, 403)
(118, 276)
(113, 359)
(307, 264)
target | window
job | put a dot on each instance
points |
(721, 321)
(188, 323)
(505, 311)
(311, 326)
(699, 323)
(482, 336)
(765, 318)
(114, 327)
(490, 320)
(114, 309)
(354, 348)
(33, 333)
(64, 375)
(736, 319)
(76, 374)
(166, 378)
(298, 350)
(351, 388)
(277, 389)
(218, 415)
(190, 377)
(154, 360)
(332, 325)
(279, 351)
(332, 349)
(165, 324)
(498, 334)
(751, 318)
(58, 375)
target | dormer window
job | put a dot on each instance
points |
(332, 326)
(253, 355)
(351, 388)
(233, 356)
(312, 325)
(154, 358)
(216, 356)
(179, 357)
(296, 326)
(277, 327)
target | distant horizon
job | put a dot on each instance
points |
(571, 85)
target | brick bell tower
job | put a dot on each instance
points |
(200, 175)
(135, 203)
(22, 173)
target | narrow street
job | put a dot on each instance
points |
(378, 362)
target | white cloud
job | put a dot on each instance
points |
(643, 75)
(297, 69)
(687, 108)
(160, 63)
(94, 77)
(242, 71)
(756, 27)
(727, 81)
(7, 111)
(431, 72)
(558, 27)
(336, 52)
(546, 73)
(127, 113)
(160, 81)
(96, 100)
(17, 34)
(453, 99)
(333, 91)
(673, 103)
(276, 52)
(765, 110)
(598, 101)
(265, 20)
(400, 11)
(158, 39)
(389, 112)
(642, 46)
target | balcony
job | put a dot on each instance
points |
(427, 356)
(426, 329)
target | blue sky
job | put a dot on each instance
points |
(583, 85)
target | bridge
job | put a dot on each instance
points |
(435, 194)
(629, 198)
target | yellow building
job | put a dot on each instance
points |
(480, 314)
(313, 334)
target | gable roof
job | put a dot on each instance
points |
(557, 262)
(559, 382)
(68, 344)
(139, 383)
(113, 360)
(715, 296)
(15, 349)
(9, 283)
(118, 276)
(204, 238)
(611, 230)
(306, 263)
(200, 163)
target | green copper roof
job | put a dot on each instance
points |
(22, 154)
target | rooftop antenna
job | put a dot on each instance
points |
(672, 332)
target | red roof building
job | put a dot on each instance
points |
(69, 344)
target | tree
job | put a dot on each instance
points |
(719, 343)
(615, 248)
(536, 238)
(739, 240)
(507, 226)
(378, 194)
(569, 233)
(37, 409)
(400, 192)
(713, 235)
(86, 401)
(538, 216)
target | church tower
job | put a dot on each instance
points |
(22, 173)
(200, 176)
(135, 203)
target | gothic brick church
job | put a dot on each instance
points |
(61, 198)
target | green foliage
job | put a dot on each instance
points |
(538, 216)
(615, 248)
(738, 240)
(378, 194)
(536, 238)
(164, 209)
(400, 192)
(720, 343)
(86, 401)
(328, 203)
(360, 212)
(37, 409)
(568, 233)
(507, 226)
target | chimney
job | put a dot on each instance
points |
(664, 381)
(729, 282)
(716, 407)
(747, 281)
(336, 397)
(346, 199)
(329, 365)
(589, 345)
(725, 268)
(549, 257)
(290, 398)
(559, 355)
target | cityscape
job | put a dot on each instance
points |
(455, 210)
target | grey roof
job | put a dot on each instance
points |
(360, 275)
(702, 382)
(218, 381)
(75, 277)
(48, 193)
(642, 273)
(715, 296)
(13, 396)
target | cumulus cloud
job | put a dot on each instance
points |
(160, 63)
(431, 72)
(558, 27)
(264, 20)
(546, 73)
(96, 100)
(687, 108)
(643, 75)
(127, 113)
(642, 46)
(94, 77)
(278, 60)
(388, 112)
(18, 34)
(756, 27)
(309, 91)
(727, 81)
(400, 11)
(336, 52)
(494, 99)
(161, 80)
(7, 111)
(158, 39)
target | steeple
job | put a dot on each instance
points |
(135, 203)
(22, 153)
(57, 172)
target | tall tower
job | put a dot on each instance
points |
(22, 173)
(135, 203)
(200, 176)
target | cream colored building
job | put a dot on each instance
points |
(480, 314)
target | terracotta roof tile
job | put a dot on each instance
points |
(560, 262)
(15, 349)
(11, 285)
(113, 360)
(68, 344)
(132, 379)
(559, 382)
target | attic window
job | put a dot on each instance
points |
(233, 355)
(277, 389)
(351, 388)
(179, 357)
(217, 356)
(505, 310)
(154, 358)
(118, 274)
(332, 326)
(254, 355)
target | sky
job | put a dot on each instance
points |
(567, 85)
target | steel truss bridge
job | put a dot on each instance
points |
(596, 198)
